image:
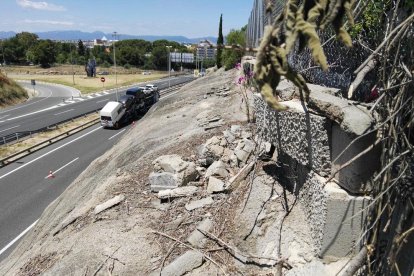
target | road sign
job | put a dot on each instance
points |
(102, 79)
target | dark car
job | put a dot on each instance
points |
(126, 101)
(137, 92)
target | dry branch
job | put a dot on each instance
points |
(189, 246)
(246, 258)
(356, 262)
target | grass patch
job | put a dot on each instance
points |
(63, 75)
(10, 92)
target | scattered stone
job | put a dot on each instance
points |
(236, 130)
(243, 150)
(171, 172)
(196, 238)
(183, 264)
(226, 157)
(229, 136)
(201, 171)
(195, 183)
(174, 224)
(215, 185)
(218, 168)
(108, 204)
(195, 204)
(205, 162)
(178, 192)
(162, 181)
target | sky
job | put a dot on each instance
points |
(190, 18)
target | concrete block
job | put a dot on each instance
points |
(218, 168)
(109, 203)
(344, 223)
(355, 177)
(302, 135)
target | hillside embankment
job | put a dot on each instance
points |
(10, 92)
(111, 220)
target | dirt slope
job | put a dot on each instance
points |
(70, 239)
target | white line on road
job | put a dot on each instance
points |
(169, 95)
(18, 237)
(102, 101)
(64, 112)
(49, 152)
(117, 134)
(4, 116)
(30, 103)
(9, 128)
(28, 114)
(64, 166)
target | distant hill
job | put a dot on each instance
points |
(76, 35)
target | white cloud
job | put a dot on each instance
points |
(39, 5)
(49, 22)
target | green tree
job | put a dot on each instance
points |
(81, 48)
(160, 57)
(220, 42)
(232, 56)
(44, 53)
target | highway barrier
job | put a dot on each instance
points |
(39, 146)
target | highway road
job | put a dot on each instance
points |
(46, 111)
(26, 190)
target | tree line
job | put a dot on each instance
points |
(26, 48)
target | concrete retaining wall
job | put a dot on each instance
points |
(308, 141)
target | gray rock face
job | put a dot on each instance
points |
(215, 185)
(218, 168)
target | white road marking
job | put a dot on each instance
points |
(9, 128)
(89, 97)
(64, 166)
(18, 237)
(49, 152)
(117, 134)
(168, 95)
(4, 116)
(102, 101)
(28, 114)
(64, 112)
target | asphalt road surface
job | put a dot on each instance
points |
(26, 190)
(47, 111)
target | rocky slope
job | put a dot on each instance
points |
(108, 222)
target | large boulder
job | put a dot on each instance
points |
(171, 171)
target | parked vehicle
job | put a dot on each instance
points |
(153, 87)
(111, 114)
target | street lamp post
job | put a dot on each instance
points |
(71, 62)
(169, 66)
(116, 76)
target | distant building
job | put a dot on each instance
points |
(206, 50)
(102, 42)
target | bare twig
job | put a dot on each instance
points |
(189, 246)
(349, 162)
(356, 262)
(243, 257)
(407, 21)
(103, 263)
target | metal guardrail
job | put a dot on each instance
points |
(18, 155)
(18, 136)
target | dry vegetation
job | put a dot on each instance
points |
(10, 92)
(63, 75)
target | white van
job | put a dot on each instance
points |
(111, 114)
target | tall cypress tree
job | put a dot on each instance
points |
(220, 41)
